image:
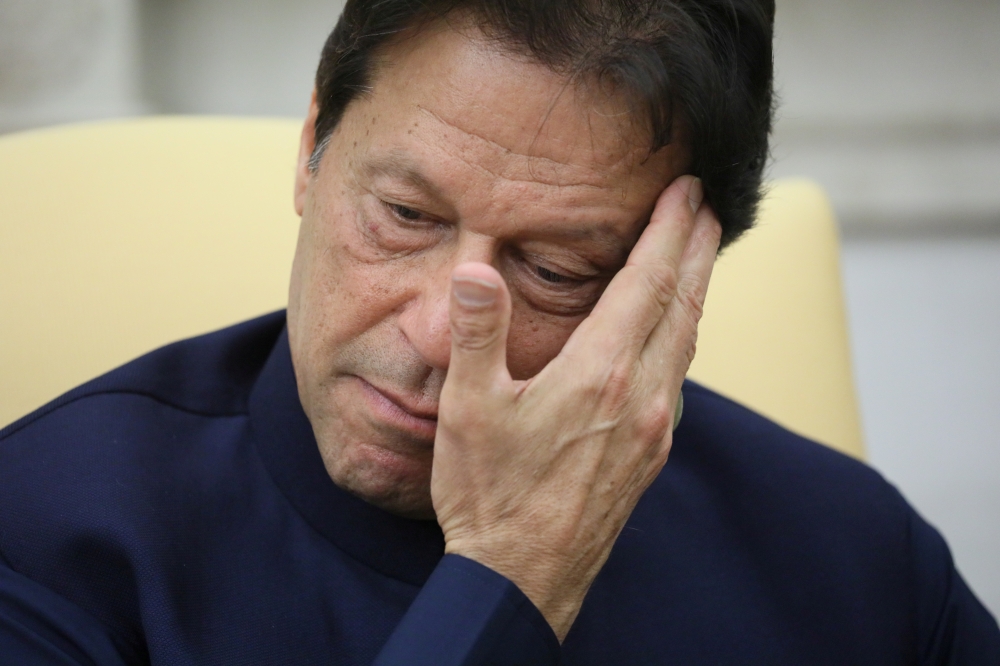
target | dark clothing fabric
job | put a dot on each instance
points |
(177, 511)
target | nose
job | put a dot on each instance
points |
(424, 320)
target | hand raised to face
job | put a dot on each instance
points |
(537, 478)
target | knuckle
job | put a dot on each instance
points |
(690, 294)
(616, 388)
(474, 333)
(692, 350)
(661, 283)
(690, 297)
(656, 419)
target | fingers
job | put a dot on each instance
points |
(479, 317)
(698, 261)
(638, 296)
(675, 334)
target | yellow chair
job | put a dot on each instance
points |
(774, 334)
(118, 237)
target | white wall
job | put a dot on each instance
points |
(67, 60)
(925, 325)
(253, 57)
(893, 105)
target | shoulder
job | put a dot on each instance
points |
(822, 526)
(795, 511)
(210, 374)
(108, 424)
(131, 443)
(136, 424)
(115, 474)
(780, 534)
(751, 454)
(799, 553)
(138, 416)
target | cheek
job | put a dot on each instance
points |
(535, 339)
(342, 286)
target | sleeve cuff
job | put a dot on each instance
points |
(468, 614)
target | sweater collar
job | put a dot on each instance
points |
(401, 548)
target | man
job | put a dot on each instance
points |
(453, 450)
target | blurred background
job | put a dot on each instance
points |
(893, 106)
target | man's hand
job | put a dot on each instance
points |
(536, 479)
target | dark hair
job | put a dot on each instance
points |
(707, 62)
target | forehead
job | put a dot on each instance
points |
(451, 112)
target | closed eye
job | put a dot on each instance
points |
(566, 293)
(551, 276)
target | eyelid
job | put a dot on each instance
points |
(424, 219)
(567, 274)
(570, 298)
(564, 280)
(398, 208)
(399, 194)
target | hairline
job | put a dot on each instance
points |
(425, 22)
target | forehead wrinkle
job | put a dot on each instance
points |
(499, 176)
(526, 159)
(397, 164)
(547, 222)
(600, 221)
(611, 237)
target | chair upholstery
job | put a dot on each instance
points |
(117, 237)
(774, 334)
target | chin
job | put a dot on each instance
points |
(393, 482)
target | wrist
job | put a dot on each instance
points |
(557, 598)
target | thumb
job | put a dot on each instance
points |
(479, 317)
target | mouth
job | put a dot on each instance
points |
(396, 411)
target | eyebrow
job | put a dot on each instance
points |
(402, 167)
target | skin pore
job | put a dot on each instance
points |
(460, 153)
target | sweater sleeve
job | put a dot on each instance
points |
(954, 628)
(40, 628)
(467, 614)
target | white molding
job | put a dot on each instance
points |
(910, 174)
(105, 84)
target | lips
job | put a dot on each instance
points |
(389, 408)
(407, 406)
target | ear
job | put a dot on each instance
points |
(306, 145)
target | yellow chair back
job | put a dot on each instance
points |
(117, 237)
(774, 334)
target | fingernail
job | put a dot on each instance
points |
(473, 292)
(696, 193)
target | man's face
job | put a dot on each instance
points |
(460, 153)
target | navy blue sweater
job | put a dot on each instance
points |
(177, 511)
